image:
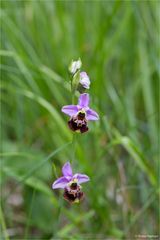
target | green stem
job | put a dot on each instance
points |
(58, 218)
(73, 97)
(74, 133)
(29, 216)
(73, 148)
(72, 159)
(2, 220)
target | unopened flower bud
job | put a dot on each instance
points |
(84, 80)
(75, 66)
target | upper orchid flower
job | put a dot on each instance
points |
(71, 183)
(80, 114)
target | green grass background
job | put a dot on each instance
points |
(117, 42)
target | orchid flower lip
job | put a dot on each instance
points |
(73, 197)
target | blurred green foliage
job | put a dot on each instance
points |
(118, 44)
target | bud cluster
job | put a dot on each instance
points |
(80, 80)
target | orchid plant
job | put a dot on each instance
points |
(80, 115)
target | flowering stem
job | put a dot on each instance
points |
(73, 147)
(74, 133)
(73, 97)
(58, 219)
(29, 215)
(4, 229)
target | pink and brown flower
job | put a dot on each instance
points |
(71, 184)
(80, 114)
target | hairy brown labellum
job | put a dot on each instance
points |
(73, 193)
(78, 123)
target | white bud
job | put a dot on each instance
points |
(84, 80)
(74, 66)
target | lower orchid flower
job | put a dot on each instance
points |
(80, 114)
(71, 184)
